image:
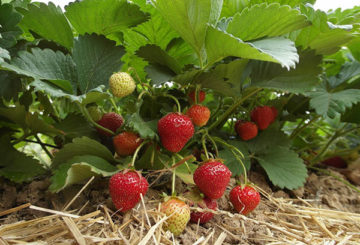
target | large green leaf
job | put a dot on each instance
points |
(49, 22)
(82, 146)
(284, 167)
(45, 64)
(9, 31)
(190, 18)
(266, 21)
(325, 38)
(78, 169)
(302, 79)
(333, 103)
(16, 166)
(103, 17)
(96, 58)
(220, 45)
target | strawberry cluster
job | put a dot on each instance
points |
(261, 118)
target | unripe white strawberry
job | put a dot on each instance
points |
(121, 84)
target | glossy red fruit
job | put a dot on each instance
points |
(203, 217)
(111, 121)
(275, 113)
(244, 199)
(199, 114)
(201, 97)
(246, 130)
(126, 143)
(212, 178)
(175, 130)
(125, 188)
(336, 162)
(262, 116)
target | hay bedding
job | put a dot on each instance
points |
(325, 211)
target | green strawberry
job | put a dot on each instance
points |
(179, 213)
(95, 113)
(121, 84)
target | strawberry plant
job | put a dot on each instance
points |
(205, 89)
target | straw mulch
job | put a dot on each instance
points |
(275, 221)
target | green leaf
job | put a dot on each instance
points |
(190, 18)
(324, 38)
(146, 130)
(352, 115)
(220, 45)
(183, 173)
(158, 57)
(78, 169)
(49, 22)
(94, 95)
(230, 159)
(152, 159)
(284, 168)
(354, 48)
(9, 30)
(349, 70)
(16, 166)
(27, 120)
(4, 54)
(96, 58)
(103, 17)
(302, 79)
(47, 65)
(75, 125)
(10, 85)
(328, 104)
(82, 146)
(266, 21)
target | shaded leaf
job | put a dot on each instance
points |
(9, 29)
(231, 161)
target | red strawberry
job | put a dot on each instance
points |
(125, 188)
(246, 130)
(201, 96)
(212, 178)
(262, 116)
(126, 143)
(244, 199)
(204, 217)
(111, 121)
(175, 130)
(199, 114)
(179, 213)
(336, 162)
(275, 113)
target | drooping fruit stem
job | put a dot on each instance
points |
(183, 160)
(203, 142)
(85, 112)
(116, 108)
(232, 108)
(175, 99)
(137, 152)
(214, 144)
(173, 191)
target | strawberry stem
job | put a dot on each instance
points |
(85, 112)
(183, 160)
(196, 94)
(175, 99)
(203, 141)
(137, 152)
(173, 192)
(114, 105)
(214, 144)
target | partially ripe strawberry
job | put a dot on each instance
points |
(199, 114)
(204, 217)
(262, 116)
(125, 188)
(212, 178)
(111, 121)
(179, 213)
(121, 84)
(175, 130)
(246, 130)
(126, 143)
(336, 162)
(275, 113)
(201, 97)
(244, 199)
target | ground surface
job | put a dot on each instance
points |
(302, 216)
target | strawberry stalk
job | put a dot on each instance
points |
(203, 141)
(137, 152)
(214, 144)
(85, 112)
(176, 101)
(114, 105)
(173, 191)
(183, 160)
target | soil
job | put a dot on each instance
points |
(320, 191)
